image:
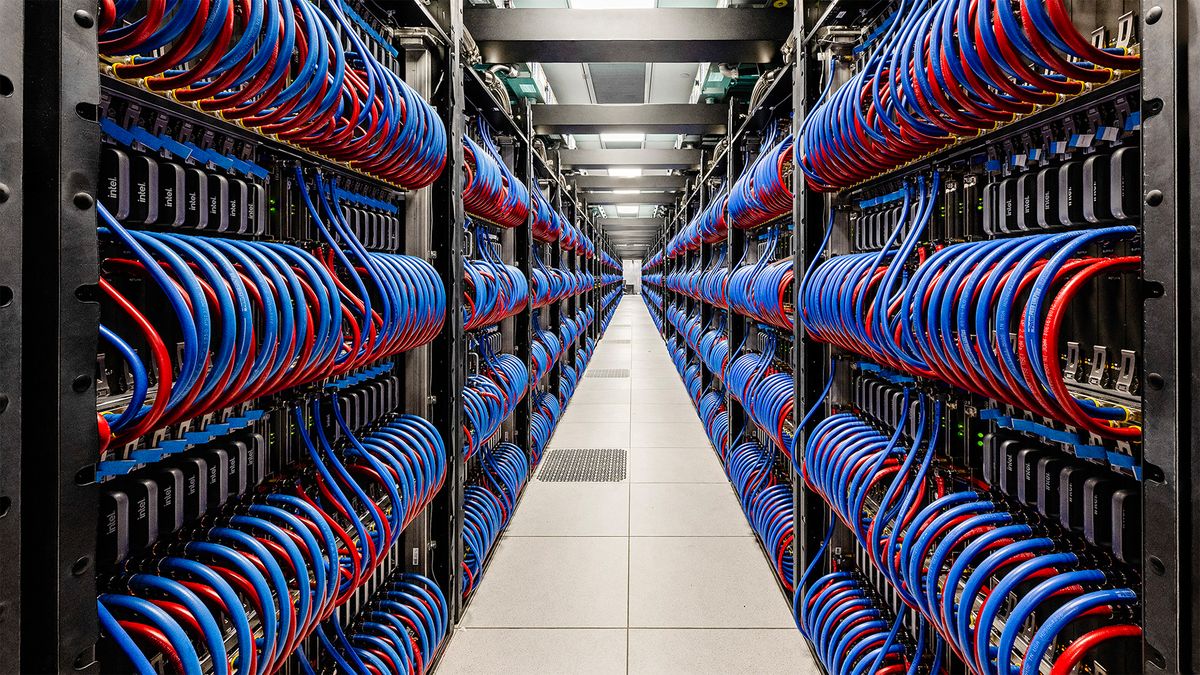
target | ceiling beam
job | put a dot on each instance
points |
(658, 159)
(647, 118)
(586, 183)
(643, 198)
(611, 224)
(663, 35)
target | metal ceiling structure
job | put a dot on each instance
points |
(612, 35)
(628, 157)
(626, 76)
(647, 118)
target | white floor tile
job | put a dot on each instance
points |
(554, 582)
(605, 383)
(486, 651)
(572, 510)
(677, 396)
(591, 435)
(654, 413)
(587, 396)
(684, 434)
(608, 413)
(773, 651)
(675, 465)
(685, 509)
(702, 582)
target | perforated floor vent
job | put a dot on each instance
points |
(615, 341)
(609, 372)
(583, 465)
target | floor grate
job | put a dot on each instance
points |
(615, 341)
(583, 465)
(609, 372)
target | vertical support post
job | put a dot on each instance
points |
(448, 349)
(415, 549)
(60, 332)
(12, 97)
(735, 161)
(522, 252)
(1169, 555)
(809, 517)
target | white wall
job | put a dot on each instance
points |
(633, 273)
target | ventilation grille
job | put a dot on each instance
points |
(618, 83)
(614, 341)
(583, 465)
(609, 372)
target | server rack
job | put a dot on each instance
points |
(1132, 112)
(830, 30)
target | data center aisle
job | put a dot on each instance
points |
(658, 573)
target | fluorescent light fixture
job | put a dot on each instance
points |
(627, 209)
(612, 4)
(627, 192)
(623, 138)
(625, 171)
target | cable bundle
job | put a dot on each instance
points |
(763, 192)
(609, 262)
(399, 632)
(489, 506)
(759, 290)
(716, 421)
(338, 101)
(713, 348)
(545, 350)
(926, 537)
(942, 320)
(764, 391)
(945, 71)
(688, 326)
(652, 262)
(547, 223)
(715, 282)
(568, 240)
(491, 190)
(274, 567)
(691, 382)
(256, 318)
(678, 355)
(608, 310)
(494, 290)
(491, 396)
(586, 349)
(549, 284)
(546, 413)
(570, 328)
(584, 246)
(653, 302)
(766, 501)
(850, 627)
(568, 382)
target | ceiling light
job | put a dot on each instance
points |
(627, 209)
(627, 192)
(625, 171)
(612, 4)
(623, 138)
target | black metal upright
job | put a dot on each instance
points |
(447, 350)
(62, 89)
(12, 201)
(1171, 550)
(522, 259)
